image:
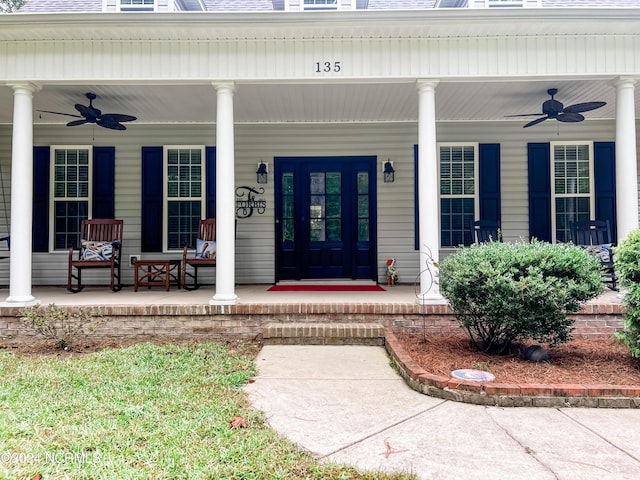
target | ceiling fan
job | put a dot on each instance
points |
(556, 110)
(90, 114)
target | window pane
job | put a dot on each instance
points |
(333, 206)
(363, 206)
(363, 230)
(184, 173)
(363, 183)
(316, 233)
(334, 229)
(316, 185)
(287, 230)
(570, 210)
(316, 207)
(457, 170)
(571, 169)
(67, 219)
(182, 223)
(333, 183)
(287, 183)
(456, 214)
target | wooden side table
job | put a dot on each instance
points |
(153, 273)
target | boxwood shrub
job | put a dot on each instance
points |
(627, 264)
(507, 292)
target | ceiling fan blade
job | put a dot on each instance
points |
(569, 117)
(583, 107)
(75, 123)
(113, 125)
(118, 117)
(59, 113)
(526, 115)
(535, 122)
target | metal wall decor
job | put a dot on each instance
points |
(246, 201)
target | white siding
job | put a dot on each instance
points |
(172, 60)
(255, 235)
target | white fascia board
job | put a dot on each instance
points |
(343, 24)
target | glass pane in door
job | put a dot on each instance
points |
(325, 206)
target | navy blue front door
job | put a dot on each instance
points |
(325, 218)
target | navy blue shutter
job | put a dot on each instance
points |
(489, 178)
(152, 199)
(605, 182)
(40, 221)
(539, 170)
(104, 177)
(211, 181)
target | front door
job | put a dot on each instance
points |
(325, 218)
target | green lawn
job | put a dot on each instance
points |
(143, 412)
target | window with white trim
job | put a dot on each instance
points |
(71, 188)
(184, 195)
(138, 5)
(572, 191)
(458, 172)
(320, 5)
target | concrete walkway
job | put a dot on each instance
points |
(345, 404)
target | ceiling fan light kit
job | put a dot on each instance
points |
(90, 114)
(553, 109)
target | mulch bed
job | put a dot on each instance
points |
(581, 361)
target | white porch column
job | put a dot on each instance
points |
(429, 221)
(626, 158)
(21, 197)
(225, 198)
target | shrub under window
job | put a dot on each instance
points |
(507, 292)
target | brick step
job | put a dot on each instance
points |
(323, 334)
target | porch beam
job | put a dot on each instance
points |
(225, 198)
(626, 158)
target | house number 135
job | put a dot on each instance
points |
(327, 67)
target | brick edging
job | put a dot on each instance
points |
(508, 394)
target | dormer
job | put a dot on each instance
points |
(487, 3)
(319, 5)
(153, 6)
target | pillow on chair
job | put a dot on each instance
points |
(97, 250)
(205, 249)
(604, 252)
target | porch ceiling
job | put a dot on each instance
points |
(320, 102)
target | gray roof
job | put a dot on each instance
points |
(45, 6)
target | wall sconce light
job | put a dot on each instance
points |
(389, 172)
(262, 172)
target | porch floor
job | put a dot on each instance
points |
(247, 295)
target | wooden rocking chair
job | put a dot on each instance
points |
(595, 237)
(205, 255)
(483, 231)
(101, 247)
